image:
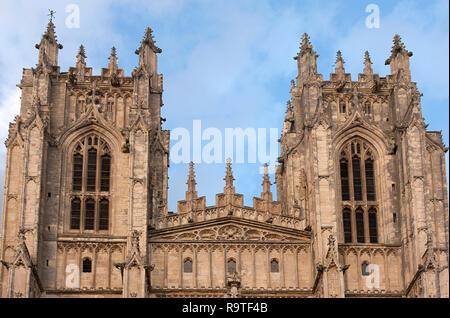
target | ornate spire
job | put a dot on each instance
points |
(48, 47)
(148, 40)
(339, 64)
(113, 61)
(191, 193)
(229, 178)
(367, 64)
(81, 56)
(306, 58)
(266, 195)
(306, 46)
(399, 59)
(147, 54)
(399, 47)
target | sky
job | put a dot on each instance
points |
(228, 63)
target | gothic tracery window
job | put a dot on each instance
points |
(358, 192)
(91, 169)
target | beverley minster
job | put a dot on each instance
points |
(361, 205)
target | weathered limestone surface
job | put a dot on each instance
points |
(330, 224)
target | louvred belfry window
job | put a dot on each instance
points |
(91, 183)
(357, 176)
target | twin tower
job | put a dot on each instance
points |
(361, 210)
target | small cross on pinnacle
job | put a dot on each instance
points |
(51, 14)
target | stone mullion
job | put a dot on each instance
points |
(80, 262)
(366, 224)
(358, 268)
(63, 285)
(239, 259)
(254, 266)
(166, 267)
(225, 264)
(282, 268)
(353, 222)
(387, 285)
(296, 269)
(94, 266)
(210, 265)
(109, 268)
(195, 267)
(181, 267)
(268, 268)
(97, 184)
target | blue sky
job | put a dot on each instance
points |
(229, 63)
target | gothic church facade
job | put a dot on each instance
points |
(361, 210)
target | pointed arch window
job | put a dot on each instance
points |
(231, 266)
(87, 265)
(347, 219)
(187, 268)
(75, 213)
(357, 176)
(274, 266)
(91, 183)
(373, 229)
(360, 225)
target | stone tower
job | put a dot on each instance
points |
(361, 210)
(357, 162)
(86, 176)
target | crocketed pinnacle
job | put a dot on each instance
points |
(367, 64)
(191, 179)
(148, 40)
(229, 176)
(397, 48)
(339, 63)
(266, 179)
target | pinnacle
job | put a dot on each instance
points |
(339, 63)
(367, 64)
(399, 46)
(305, 45)
(81, 51)
(113, 51)
(191, 193)
(148, 40)
(229, 174)
(339, 57)
(191, 178)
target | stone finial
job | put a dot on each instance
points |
(191, 193)
(399, 59)
(149, 41)
(305, 45)
(81, 56)
(367, 64)
(48, 47)
(306, 58)
(266, 195)
(398, 47)
(339, 64)
(113, 61)
(229, 178)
